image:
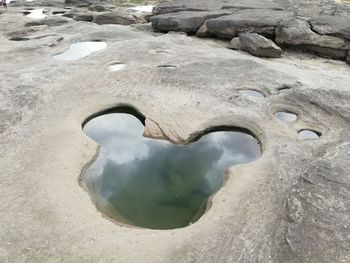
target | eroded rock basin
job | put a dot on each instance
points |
(154, 183)
(80, 50)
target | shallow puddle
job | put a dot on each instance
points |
(141, 9)
(308, 134)
(286, 116)
(154, 183)
(252, 93)
(36, 14)
(80, 50)
(116, 67)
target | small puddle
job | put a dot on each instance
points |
(141, 9)
(286, 116)
(80, 50)
(116, 67)
(154, 183)
(36, 14)
(308, 134)
(252, 93)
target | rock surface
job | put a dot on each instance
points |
(113, 18)
(320, 27)
(259, 46)
(291, 205)
(234, 44)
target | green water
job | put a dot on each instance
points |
(154, 183)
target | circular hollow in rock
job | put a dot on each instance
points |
(252, 93)
(154, 183)
(286, 116)
(116, 67)
(306, 134)
(80, 50)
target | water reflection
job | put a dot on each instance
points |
(308, 134)
(252, 93)
(286, 116)
(154, 183)
(80, 50)
(36, 14)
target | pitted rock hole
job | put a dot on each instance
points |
(35, 14)
(58, 13)
(308, 134)
(154, 183)
(286, 116)
(252, 93)
(80, 50)
(167, 66)
(116, 67)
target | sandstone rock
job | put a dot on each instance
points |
(332, 25)
(259, 46)
(49, 21)
(234, 44)
(83, 17)
(203, 31)
(297, 32)
(185, 21)
(187, 5)
(113, 18)
(262, 21)
(97, 8)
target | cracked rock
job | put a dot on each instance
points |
(296, 32)
(261, 21)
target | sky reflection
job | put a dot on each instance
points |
(154, 183)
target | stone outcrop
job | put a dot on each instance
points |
(113, 18)
(318, 27)
(297, 33)
(261, 21)
(184, 21)
(259, 46)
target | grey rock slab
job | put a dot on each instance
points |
(308, 203)
(253, 4)
(49, 21)
(259, 46)
(297, 32)
(187, 5)
(332, 25)
(185, 21)
(348, 57)
(261, 21)
(83, 17)
(113, 18)
(234, 44)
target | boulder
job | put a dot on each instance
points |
(262, 21)
(258, 45)
(113, 18)
(203, 31)
(234, 44)
(185, 21)
(296, 32)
